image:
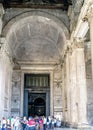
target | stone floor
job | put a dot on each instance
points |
(73, 129)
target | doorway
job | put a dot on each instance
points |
(39, 107)
(36, 106)
(36, 94)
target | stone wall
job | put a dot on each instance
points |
(56, 93)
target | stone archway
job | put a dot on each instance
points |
(47, 29)
(36, 41)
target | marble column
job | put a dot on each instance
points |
(78, 90)
(90, 20)
(63, 94)
(81, 84)
(65, 91)
(1, 70)
(5, 83)
(73, 87)
(1, 83)
(1, 15)
(68, 87)
(51, 94)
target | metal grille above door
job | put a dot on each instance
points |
(36, 80)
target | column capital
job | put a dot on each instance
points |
(78, 43)
(68, 48)
(5, 50)
(89, 14)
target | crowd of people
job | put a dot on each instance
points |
(32, 123)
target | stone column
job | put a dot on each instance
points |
(63, 95)
(1, 83)
(1, 15)
(73, 86)
(78, 84)
(90, 20)
(81, 83)
(64, 90)
(5, 81)
(1, 70)
(51, 94)
(68, 87)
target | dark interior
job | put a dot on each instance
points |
(63, 4)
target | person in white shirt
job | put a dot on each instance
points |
(17, 124)
(44, 122)
(3, 123)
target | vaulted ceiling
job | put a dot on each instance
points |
(36, 39)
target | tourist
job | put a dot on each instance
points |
(17, 124)
(50, 122)
(55, 121)
(37, 122)
(31, 124)
(8, 125)
(3, 123)
(12, 122)
(24, 123)
(41, 123)
(58, 123)
(44, 122)
(0, 124)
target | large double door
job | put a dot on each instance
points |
(34, 104)
(36, 95)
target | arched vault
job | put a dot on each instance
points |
(36, 36)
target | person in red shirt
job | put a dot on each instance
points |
(31, 124)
